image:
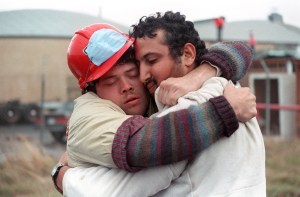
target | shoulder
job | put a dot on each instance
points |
(91, 101)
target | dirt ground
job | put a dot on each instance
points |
(26, 160)
(19, 141)
(22, 147)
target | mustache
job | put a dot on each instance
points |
(150, 80)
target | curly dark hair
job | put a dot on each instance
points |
(127, 57)
(178, 32)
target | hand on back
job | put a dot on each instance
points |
(172, 89)
(242, 101)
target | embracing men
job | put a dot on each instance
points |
(168, 46)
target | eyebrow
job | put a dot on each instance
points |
(147, 55)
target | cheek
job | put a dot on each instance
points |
(137, 84)
(110, 94)
(140, 89)
(162, 72)
(156, 72)
(160, 75)
(145, 98)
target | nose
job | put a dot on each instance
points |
(144, 73)
(126, 85)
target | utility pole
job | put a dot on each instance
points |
(252, 41)
(219, 22)
(42, 129)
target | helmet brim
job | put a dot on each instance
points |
(99, 71)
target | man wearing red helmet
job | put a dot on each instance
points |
(87, 82)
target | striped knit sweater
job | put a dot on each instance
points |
(141, 142)
(233, 58)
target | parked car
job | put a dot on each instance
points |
(56, 116)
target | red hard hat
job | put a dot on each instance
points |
(81, 63)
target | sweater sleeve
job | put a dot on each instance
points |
(179, 135)
(233, 58)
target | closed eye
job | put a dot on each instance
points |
(109, 81)
(151, 61)
(133, 73)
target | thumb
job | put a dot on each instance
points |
(229, 86)
(232, 84)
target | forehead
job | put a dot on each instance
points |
(119, 69)
(146, 45)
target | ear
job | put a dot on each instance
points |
(97, 87)
(189, 54)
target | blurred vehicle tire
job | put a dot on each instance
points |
(10, 113)
(30, 113)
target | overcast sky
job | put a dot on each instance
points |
(128, 12)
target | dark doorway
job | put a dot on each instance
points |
(260, 92)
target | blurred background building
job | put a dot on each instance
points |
(274, 75)
(34, 46)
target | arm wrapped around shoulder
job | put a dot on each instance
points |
(233, 58)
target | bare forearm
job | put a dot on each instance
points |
(60, 177)
(63, 161)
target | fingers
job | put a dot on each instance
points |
(167, 96)
(243, 102)
(170, 91)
